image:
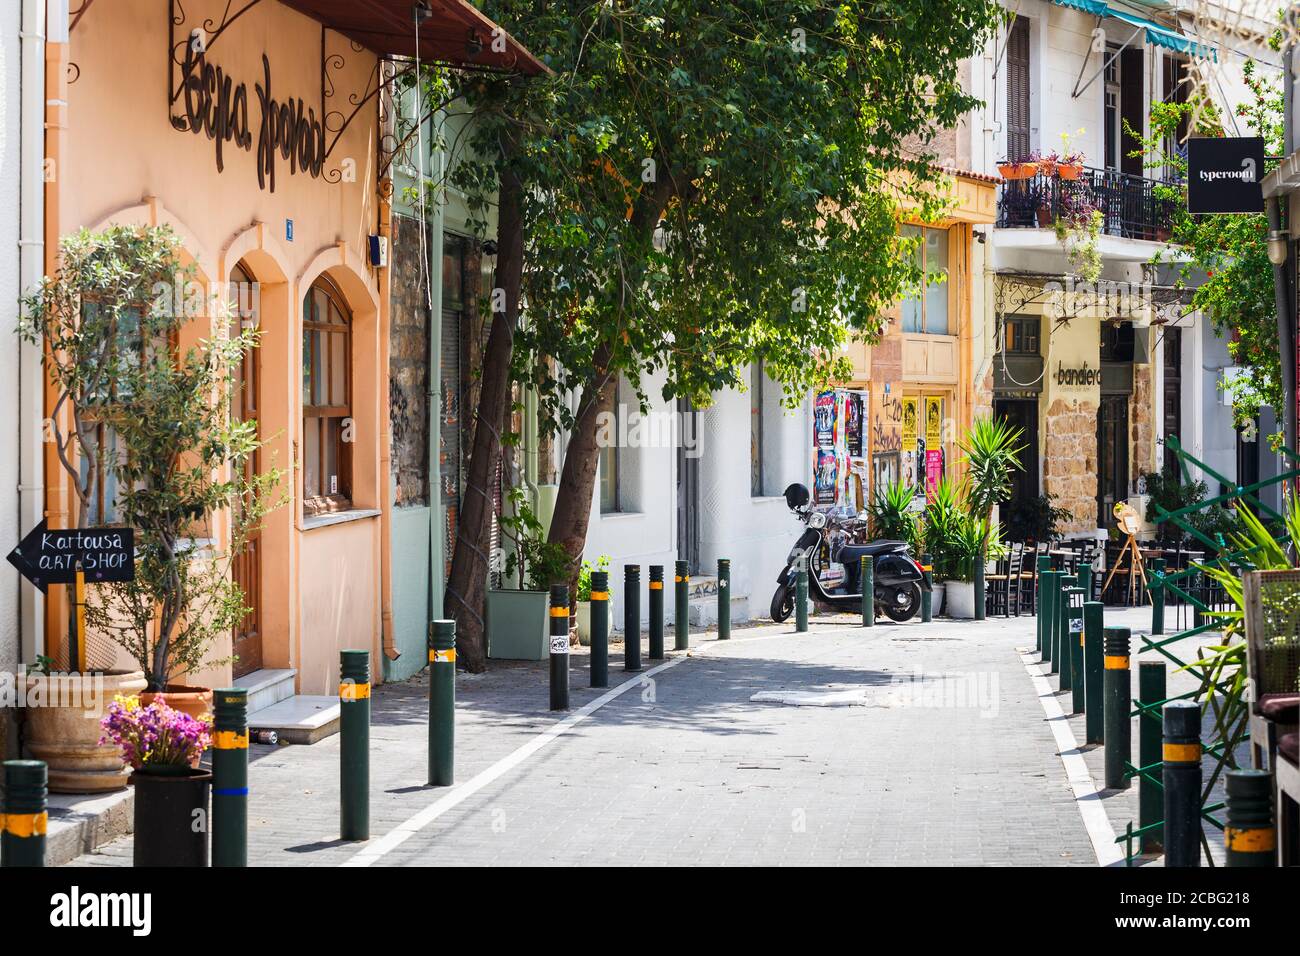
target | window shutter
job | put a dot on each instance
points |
(1018, 90)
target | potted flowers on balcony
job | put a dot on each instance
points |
(162, 746)
(1018, 169)
(517, 619)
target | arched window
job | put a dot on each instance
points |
(326, 399)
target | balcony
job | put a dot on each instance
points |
(1128, 204)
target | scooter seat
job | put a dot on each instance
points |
(853, 552)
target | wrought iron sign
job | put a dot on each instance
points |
(206, 101)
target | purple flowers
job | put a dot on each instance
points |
(154, 736)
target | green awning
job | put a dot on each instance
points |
(1154, 33)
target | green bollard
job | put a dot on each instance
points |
(559, 647)
(656, 612)
(801, 598)
(230, 777)
(599, 628)
(682, 613)
(1157, 588)
(1085, 580)
(23, 815)
(442, 703)
(632, 617)
(980, 591)
(1151, 798)
(1040, 618)
(724, 599)
(1182, 783)
(1078, 699)
(927, 595)
(1249, 837)
(1115, 696)
(1093, 709)
(1047, 590)
(1070, 597)
(354, 745)
(867, 577)
(1060, 624)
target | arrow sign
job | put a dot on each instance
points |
(47, 557)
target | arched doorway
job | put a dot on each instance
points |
(246, 568)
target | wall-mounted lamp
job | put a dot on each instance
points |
(1277, 247)
(980, 236)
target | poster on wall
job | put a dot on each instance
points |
(909, 423)
(825, 475)
(854, 416)
(824, 420)
(933, 471)
(933, 421)
(884, 469)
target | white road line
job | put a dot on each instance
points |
(1087, 795)
(459, 794)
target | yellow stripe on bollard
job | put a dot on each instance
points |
(229, 740)
(656, 585)
(24, 824)
(354, 691)
(1182, 753)
(559, 612)
(600, 595)
(1262, 840)
(1114, 662)
(442, 657)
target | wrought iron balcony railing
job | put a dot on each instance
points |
(1128, 204)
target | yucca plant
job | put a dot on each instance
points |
(892, 516)
(943, 519)
(992, 453)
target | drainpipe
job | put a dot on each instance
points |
(31, 265)
(1285, 334)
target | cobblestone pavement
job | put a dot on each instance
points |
(945, 758)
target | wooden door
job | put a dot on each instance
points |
(247, 565)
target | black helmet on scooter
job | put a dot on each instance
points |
(796, 496)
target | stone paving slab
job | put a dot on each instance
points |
(691, 770)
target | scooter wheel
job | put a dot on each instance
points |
(782, 604)
(906, 601)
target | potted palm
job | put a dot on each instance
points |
(583, 596)
(517, 619)
(992, 453)
(943, 515)
(163, 745)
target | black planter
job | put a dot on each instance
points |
(171, 818)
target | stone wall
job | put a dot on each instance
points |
(1069, 450)
(982, 402)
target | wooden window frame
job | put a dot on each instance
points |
(326, 503)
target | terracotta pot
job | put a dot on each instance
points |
(1044, 217)
(195, 701)
(1018, 170)
(1069, 170)
(64, 732)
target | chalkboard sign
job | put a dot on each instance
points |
(1224, 173)
(48, 557)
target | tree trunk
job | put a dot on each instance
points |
(578, 477)
(467, 584)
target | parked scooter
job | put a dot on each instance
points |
(834, 560)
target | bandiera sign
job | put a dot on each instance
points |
(217, 107)
(1080, 377)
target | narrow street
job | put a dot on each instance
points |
(946, 759)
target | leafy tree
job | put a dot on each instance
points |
(695, 187)
(1226, 256)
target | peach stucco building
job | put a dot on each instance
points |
(280, 186)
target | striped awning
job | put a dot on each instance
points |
(1154, 33)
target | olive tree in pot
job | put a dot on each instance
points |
(156, 419)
